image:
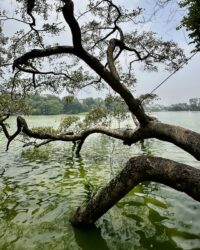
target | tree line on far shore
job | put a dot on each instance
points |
(194, 105)
(54, 105)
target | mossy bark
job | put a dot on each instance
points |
(138, 169)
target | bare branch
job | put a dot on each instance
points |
(103, 38)
(37, 53)
(35, 71)
(4, 128)
(186, 139)
(4, 117)
(88, 11)
(30, 6)
(67, 136)
(5, 18)
(37, 145)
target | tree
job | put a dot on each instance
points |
(72, 105)
(45, 105)
(100, 44)
(191, 21)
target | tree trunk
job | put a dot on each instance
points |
(138, 169)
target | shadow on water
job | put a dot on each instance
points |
(90, 239)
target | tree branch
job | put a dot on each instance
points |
(3, 118)
(30, 6)
(67, 136)
(94, 63)
(110, 58)
(179, 176)
(185, 139)
(68, 13)
(35, 71)
(37, 53)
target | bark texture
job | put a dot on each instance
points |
(138, 169)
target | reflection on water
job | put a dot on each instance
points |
(90, 239)
(41, 188)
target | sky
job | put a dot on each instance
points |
(182, 86)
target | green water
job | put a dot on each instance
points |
(41, 188)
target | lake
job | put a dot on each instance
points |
(41, 188)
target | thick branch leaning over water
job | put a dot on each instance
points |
(184, 138)
(22, 126)
(173, 174)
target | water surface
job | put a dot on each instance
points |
(41, 188)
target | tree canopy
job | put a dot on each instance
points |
(60, 49)
(191, 21)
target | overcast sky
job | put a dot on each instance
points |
(182, 86)
(185, 84)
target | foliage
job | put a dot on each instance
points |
(117, 108)
(98, 115)
(4, 54)
(73, 106)
(70, 75)
(64, 126)
(67, 122)
(44, 130)
(184, 107)
(54, 105)
(191, 21)
(45, 105)
(12, 105)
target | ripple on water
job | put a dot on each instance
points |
(41, 188)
